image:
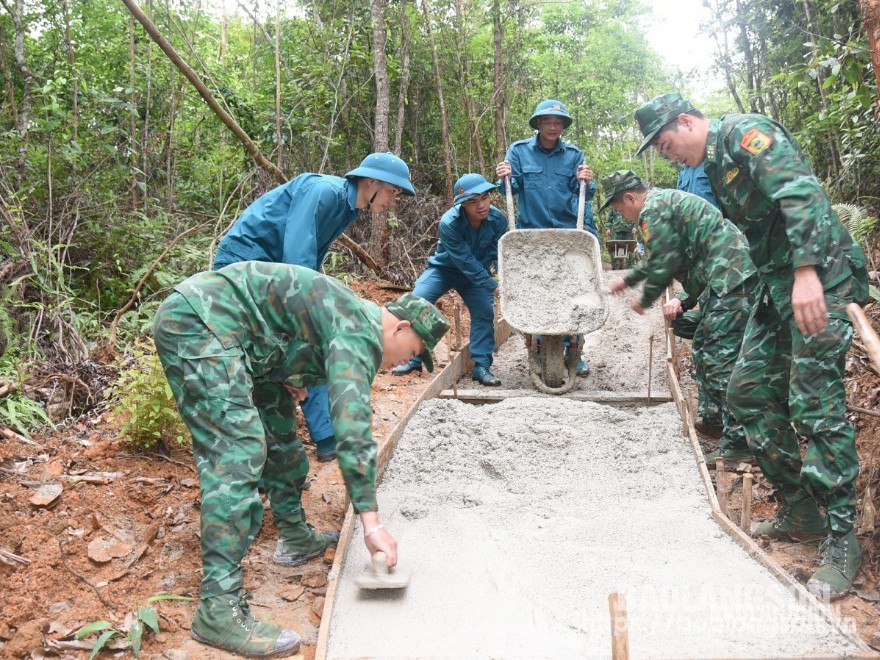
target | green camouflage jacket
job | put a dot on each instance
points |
(764, 184)
(300, 327)
(688, 239)
(621, 230)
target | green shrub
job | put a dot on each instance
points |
(143, 402)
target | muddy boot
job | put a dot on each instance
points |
(299, 543)
(797, 518)
(708, 426)
(732, 455)
(485, 377)
(226, 622)
(839, 561)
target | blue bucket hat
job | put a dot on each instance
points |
(548, 108)
(469, 186)
(385, 167)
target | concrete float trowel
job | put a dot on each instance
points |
(377, 574)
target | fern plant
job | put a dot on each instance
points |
(856, 220)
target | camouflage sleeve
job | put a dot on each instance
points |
(688, 301)
(781, 172)
(352, 361)
(665, 253)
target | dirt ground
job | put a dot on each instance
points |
(141, 513)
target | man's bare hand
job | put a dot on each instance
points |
(672, 309)
(616, 286)
(584, 173)
(299, 394)
(503, 169)
(808, 300)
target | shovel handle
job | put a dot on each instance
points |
(582, 201)
(866, 332)
(511, 219)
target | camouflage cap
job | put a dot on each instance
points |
(656, 113)
(426, 320)
(618, 182)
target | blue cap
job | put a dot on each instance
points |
(469, 186)
(547, 108)
(385, 167)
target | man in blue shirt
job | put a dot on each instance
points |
(695, 181)
(296, 223)
(467, 249)
(545, 173)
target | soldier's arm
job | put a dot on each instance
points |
(667, 255)
(782, 174)
(351, 366)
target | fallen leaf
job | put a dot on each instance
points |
(104, 549)
(47, 495)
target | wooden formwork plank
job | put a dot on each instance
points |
(496, 395)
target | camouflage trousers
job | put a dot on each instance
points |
(685, 326)
(242, 430)
(786, 384)
(717, 338)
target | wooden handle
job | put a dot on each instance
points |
(866, 332)
(619, 632)
(511, 219)
(582, 202)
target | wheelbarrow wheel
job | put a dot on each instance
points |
(553, 353)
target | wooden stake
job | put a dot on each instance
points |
(650, 363)
(619, 632)
(745, 520)
(456, 319)
(720, 485)
(866, 331)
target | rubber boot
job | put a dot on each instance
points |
(485, 377)
(326, 449)
(403, 369)
(226, 622)
(840, 558)
(301, 542)
(797, 518)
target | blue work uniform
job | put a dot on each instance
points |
(695, 181)
(545, 183)
(462, 262)
(295, 224)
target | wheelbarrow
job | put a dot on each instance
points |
(552, 288)
(620, 252)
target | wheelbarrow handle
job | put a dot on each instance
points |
(582, 202)
(511, 219)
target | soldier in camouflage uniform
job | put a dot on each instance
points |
(688, 239)
(618, 229)
(789, 378)
(222, 333)
(686, 313)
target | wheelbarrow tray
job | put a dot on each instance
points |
(551, 281)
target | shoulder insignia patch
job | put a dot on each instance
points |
(646, 231)
(731, 175)
(710, 151)
(754, 141)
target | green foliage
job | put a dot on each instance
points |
(143, 402)
(145, 620)
(856, 220)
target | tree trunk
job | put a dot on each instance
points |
(747, 53)
(74, 76)
(379, 228)
(148, 113)
(871, 17)
(24, 114)
(406, 48)
(497, 90)
(473, 128)
(723, 54)
(132, 124)
(7, 79)
(834, 147)
(444, 124)
(278, 136)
